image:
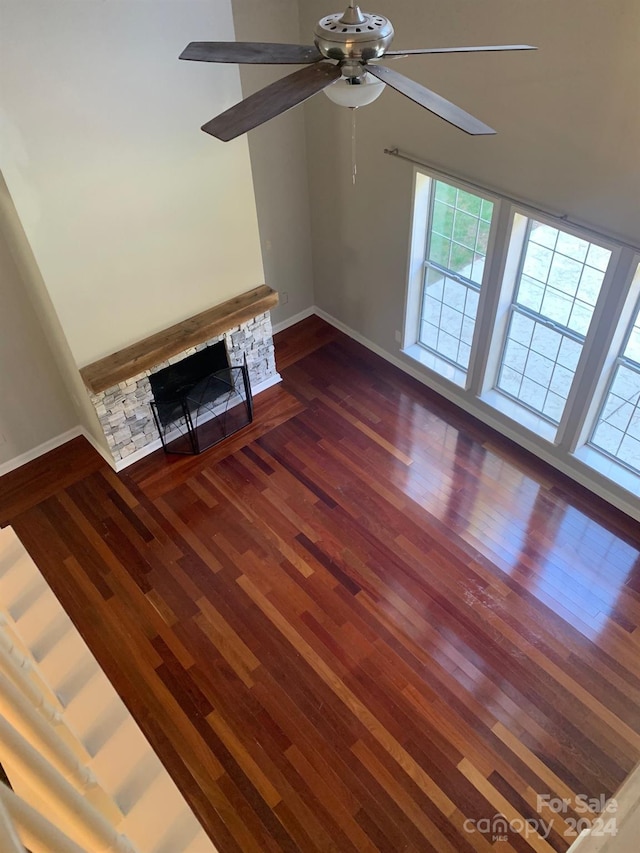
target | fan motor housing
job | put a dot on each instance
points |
(366, 38)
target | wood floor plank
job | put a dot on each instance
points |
(361, 623)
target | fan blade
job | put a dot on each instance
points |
(429, 100)
(272, 100)
(251, 52)
(421, 50)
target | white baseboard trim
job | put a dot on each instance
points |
(30, 455)
(581, 474)
(116, 464)
(291, 321)
(578, 472)
(108, 458)
(266, 383)
(148, 449)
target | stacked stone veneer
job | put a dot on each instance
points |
(125, 411)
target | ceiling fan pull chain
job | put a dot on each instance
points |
(354, 168)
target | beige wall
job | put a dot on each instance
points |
(35, 406)
(136, 218)
(568, 122)
(59, 370)
(279, 162)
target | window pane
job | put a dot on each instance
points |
(555, 296)
(470, 203)
(569, 353)
(564, 275)
(531, 361)
(598, 257)
(439, 249)
(522, 328)
(445, 193)
(589, 288)
(457, 241)
(443, 219)
(632, 349)
(544, 235)
(465, 229)
(572, 247)
(617, 430)
(448, 317)
(461, 260)
(561, 276)
(537, 262)
(486, 211)
(483, 237)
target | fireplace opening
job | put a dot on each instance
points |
(200, 400)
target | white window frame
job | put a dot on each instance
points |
(423, 184)
(628, 302)
(493, 396)
(565, 446)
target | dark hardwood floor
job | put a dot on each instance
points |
(364, 623)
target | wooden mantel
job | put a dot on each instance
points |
(145, 354)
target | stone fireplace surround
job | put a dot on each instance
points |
(119, 388)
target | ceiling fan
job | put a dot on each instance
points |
(343, 61)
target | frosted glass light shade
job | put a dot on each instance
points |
(350, 92)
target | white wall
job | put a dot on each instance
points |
(136, 218)
(279, 161)
(568, 122)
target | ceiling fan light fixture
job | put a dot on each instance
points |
(355, 92)
(352, 41)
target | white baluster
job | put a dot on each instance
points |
(20, 670)
(46, 739)
(9, 840)
(79, 818)
(38, 833)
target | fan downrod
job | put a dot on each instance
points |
(353, 15)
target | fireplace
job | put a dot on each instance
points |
(174, 382)
(200, 400)
(119, 385)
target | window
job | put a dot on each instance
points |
(617, 429)
(458, 230)
(557, 288)
(530, 323)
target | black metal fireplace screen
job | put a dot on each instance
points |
(200, 400)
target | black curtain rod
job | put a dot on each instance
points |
(531, 208)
